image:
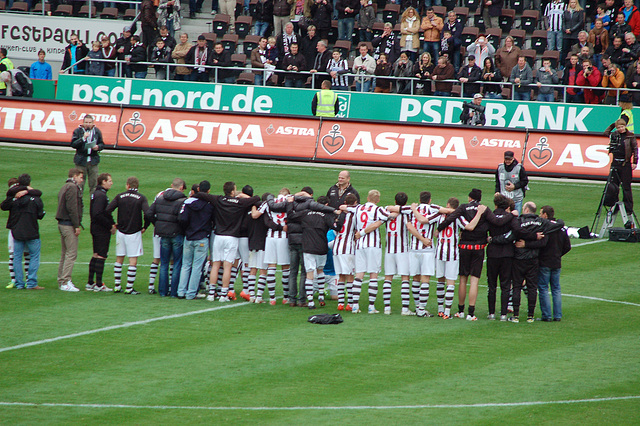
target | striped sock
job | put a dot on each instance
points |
(448, 299)
(131, 276)
(207, 273)
(341, 292)
(99, 267)
(153, 273)
(117, 274)
(424, 295)
(285, 282)
(92, 270)
(218, 286)
(357, 289)
(373, 291)
(271, 279)
(245, 279)
(232, 280)
(262, 283)
(349, 291)
(386, 293)
(251, 285)
(321, 280)
(405, 294)
(415, 290)
(12, 272)
(308, 286)
(440, 295)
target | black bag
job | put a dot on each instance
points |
(611, 194)
(325, 319)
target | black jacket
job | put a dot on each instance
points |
(6, 204)
(82, 147)
(336, 200)
(342, 4)
(257, 230)
(101, 221)
(478, 236)
(557, 246)
(25, 213)
(81, 52)
(224, 60)
(196, 218)
(314, 231)
(163, 213)
(295, 213)
(530, 223)
(263, 11)
(131, 207)
(475, 74)
(138, 54)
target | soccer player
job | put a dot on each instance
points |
(276, 251)
(243, 248)
(102, 227)
(369, 218)
(396, 259)
(344, 254)
(259, 225)
(131, 207)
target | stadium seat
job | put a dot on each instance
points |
(230, 42)
(239, 8)
(84, 11)
(529, 20)
(552, 55)
(463, 14)
(378, 28)
(344, 46)
(530, 56)
(396, 29)
(63, 10)
(518, 37)
(211, 39)
(239, 59)
(471, 4)
(456, 91)
(441, 11)
(391, 13)
(449, 4)
(2, 5)
(253, 4)
(494, 35)
(517, 5)
(478, 21)
(506, 20)
(109, 13)
(243, 26)
(245, 78)
(506, 92)
(369, 48)
(129, 15)
(332, 36)
(220, 24)
(249, 43)
(20, 6)
(37, 8)
(469, 35)
(539, 41)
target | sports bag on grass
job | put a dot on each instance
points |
(326, 319)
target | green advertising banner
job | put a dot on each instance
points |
(364, 106)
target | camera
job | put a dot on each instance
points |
(471, 105)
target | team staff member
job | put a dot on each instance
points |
(69, 216)
(87, 141)
(325, 102)
(102, 227)
(623, 152)
(338, 192)
(512, 180)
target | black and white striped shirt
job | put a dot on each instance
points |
(554, 13)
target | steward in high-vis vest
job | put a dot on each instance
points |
(5, 65)
(325, 102)
(512, 180)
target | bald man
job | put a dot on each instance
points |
(338, 192)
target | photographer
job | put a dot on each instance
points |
(623, 152)
(613, 78)
(403, 67)
(590, 76)
(87, 141)
(546, 77)
(473, 112)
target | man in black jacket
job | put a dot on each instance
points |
(469, 75)
(338, 192)
(87, 141)
(73, 53)
(26, 208)
(200, 56)
(138, 56)
(221, 57)
(512, 180)
(123, 49)
(163, 213)
(102, 227)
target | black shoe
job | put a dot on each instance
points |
(545, 319)
(131, 291)
(192, 15)
(152, 290)
(557, 319)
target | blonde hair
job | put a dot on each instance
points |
(578, 8)
(271, 39)
(405, 14)
(374, 196)
(96, 44)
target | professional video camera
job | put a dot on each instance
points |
(478, 108)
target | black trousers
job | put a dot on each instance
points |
(297, 292)
(623, 174)
(525, 270)
(499, 267)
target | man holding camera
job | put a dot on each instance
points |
(623, 152)
(473, 112)
(512, 180)
(87, 141)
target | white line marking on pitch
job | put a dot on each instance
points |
(116, 327)
(347, 407)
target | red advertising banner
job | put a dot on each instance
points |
(341, 141)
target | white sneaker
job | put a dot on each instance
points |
(69, 287)
(387, 311)
(90, 287)
(223, 299)
(407, 312)
(373, 310)
(356, 309)
(459, 315)
(211, 298)
(491, 316)
(503, 318)
(258, 300)
(252, 299)
(101, 288)
(472, 318)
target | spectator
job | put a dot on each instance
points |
(228, 7)
(409, 28)
(447, 45)
(138, 55)
(347, 11)
(169, 18)
(259, 60)
(123, 49)
(383, 69)
(366, 19)
(634, 83)
(573, 21)
(40, 70)
(169, 41)
(620, 28)
(319, 62)
(582, 42)
(95, 67)
(321, 11)
(493, 76)
(294, 62)
(443, 71)
(590, 77)
(365, 66)
(614, 51)
(491, 11)
(630, 51)
(388, 43)
(200, 56)
(599, 38)
(108, 52)
(284, 41)
(17, 83)
(403, 68)
(5, 65)
(603, 16)
(432, 26)
(473, 112)
(481, 49)
(180, 55)
(336, 68)
(222, 58)
(281, 15)
(585, 53)
(308, 44)
(631, 16)
(554, 15)
(263, 16)
(507, 56)
(300, 16)
(273, 54)
(468, 76)
(521, 77)
(73, 53)
(423, 70)
(149, 22)
(455, 28)
(569, 78)
(611, 10)
(613, 78)
(161, 54)
(545, 77)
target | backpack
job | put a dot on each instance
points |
(325, 319)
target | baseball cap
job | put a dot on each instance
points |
(508, 154)
(477, 95)
(201, 37)
(127, 29)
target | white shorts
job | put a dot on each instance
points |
(243, 249)
(129, 245)
(10, 242)
(344, 264)
(449, 269)
(276, 251)
(156, 247)
(368, 260)
(314, 261)
(423, 262)
(396, 263)
(256, 259)
(225, 249)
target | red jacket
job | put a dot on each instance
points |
(634, 20)
(590, 96)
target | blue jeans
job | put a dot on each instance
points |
(140, 74)
(345, 28)
(548, 276)
(364, 86)
(33, 247)
(170, 247)
(194, 253)
(545, 97)
(366, 35)
(492, 95)
(433, 47)
(110, 73)
(289, 82)
(260, 28)
(429, 3)
(439, 93)
(554, 41)
(522, 96)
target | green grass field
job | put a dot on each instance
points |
(147, 360)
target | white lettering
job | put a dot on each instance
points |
(409, 108)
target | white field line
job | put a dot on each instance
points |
(118, 326)
(320, 408)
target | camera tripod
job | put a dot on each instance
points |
(611, 213)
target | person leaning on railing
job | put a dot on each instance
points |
(590, 76)
(179, 54)
(443, 71)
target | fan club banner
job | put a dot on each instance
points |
(341, 141)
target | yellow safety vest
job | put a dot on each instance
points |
(628, 113)
(326, 103)
(7, 63)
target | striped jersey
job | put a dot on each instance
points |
(554, 13)
(447, 249)
(426, 230)
(397, 235)
(277, 218)
(344, 242)
(366, 214)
